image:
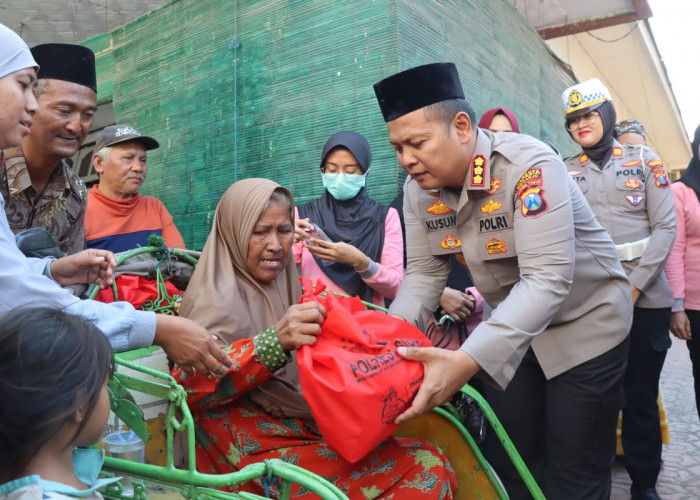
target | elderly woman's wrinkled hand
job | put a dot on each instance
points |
(300, 325)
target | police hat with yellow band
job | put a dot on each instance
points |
(583, 97)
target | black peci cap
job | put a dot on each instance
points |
(68, 62)
(416, 88)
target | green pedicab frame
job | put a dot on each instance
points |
(196, 485)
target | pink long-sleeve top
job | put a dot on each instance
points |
(389, 272)
(683, 265)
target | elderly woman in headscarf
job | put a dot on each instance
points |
(364, 253)
(244, 291)
(499, 120)
(683, 266)
(626, 186)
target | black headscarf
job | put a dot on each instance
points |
(602, 151)
(691, 177)
(358, 221)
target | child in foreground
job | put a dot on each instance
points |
(54, 369)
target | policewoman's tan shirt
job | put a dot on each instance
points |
(631, 199)
(534, 251)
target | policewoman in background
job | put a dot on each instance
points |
(628, 189)
(364, 252)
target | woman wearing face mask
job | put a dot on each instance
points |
(365, 253)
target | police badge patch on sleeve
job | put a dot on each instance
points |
(529, 190)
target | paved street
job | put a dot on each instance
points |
(680, 475)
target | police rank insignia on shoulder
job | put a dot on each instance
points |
(495, 186)
(495, 246)
(477, 175)
(491, 206)
(438, 208)
(450, 242)
(660, 176)
(529, 189)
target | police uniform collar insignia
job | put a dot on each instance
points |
(450, 242)
(617, 151)
(583, 158)
(494, 186)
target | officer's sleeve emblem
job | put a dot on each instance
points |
(659, 172)
(529, 190)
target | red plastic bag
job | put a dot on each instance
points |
(352, 377)
(135, 289)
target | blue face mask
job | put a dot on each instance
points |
(343, 186)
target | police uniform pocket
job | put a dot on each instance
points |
(496, 239)
(630, 188)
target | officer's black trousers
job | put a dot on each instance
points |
(641, 430)
(564, 428)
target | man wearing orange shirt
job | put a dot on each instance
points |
(118, 218)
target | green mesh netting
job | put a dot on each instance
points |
(251, 88)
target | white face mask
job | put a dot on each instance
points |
(343, 186)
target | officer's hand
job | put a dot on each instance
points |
(338, 252)
(636, 293)
(445, 373)
(189, 345)
(300, 325)
(89, 266)
(457, 304)
(680, 325)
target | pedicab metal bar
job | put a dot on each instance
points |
(191, 483)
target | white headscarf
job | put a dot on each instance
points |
(14, 53)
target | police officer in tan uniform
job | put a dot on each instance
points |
(556, 339)
(628, 190)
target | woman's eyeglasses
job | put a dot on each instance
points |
(587, 118)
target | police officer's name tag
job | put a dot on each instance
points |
(440, 223)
